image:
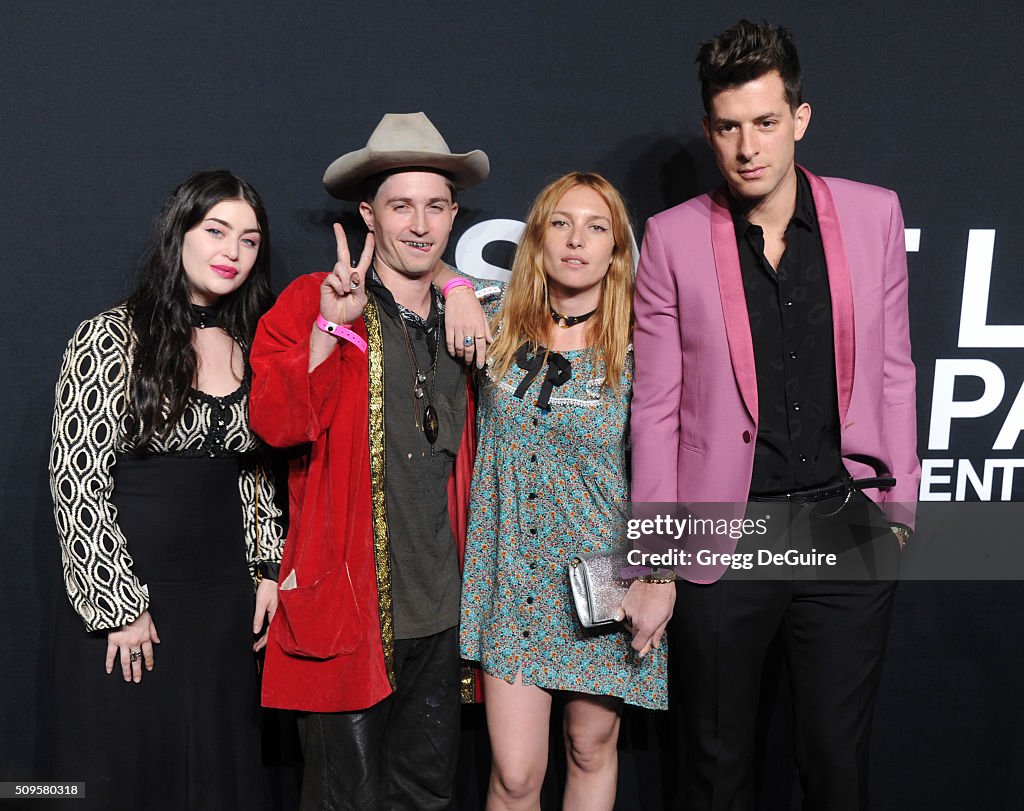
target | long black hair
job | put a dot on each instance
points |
(164, 365)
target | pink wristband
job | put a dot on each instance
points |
(456, 282)
(341, 331)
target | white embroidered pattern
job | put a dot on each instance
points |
(88, 434)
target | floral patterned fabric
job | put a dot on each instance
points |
(546, 486)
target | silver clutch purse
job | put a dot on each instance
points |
(595, 579)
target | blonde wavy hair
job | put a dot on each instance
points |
(525, 314)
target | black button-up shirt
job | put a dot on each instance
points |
(790, 311)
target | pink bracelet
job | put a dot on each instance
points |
(456, 282)
(341, 331)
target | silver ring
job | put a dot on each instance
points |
(353, 285)
(469, 340)
(135, 655)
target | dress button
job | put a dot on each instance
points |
(529, 600)
(526, 634)
(533, 530)
(534, 420)
(792, 355)
(532, 496)
(533, 565)
(796, 406)
(746, 437)
(533, 457)
(803, 458)
(789, 304)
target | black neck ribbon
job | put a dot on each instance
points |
(559, 371)
(204, 317)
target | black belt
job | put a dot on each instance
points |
(841, 489)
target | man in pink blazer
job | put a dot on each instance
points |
(773, 367)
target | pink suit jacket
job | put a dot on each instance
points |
(694, 410)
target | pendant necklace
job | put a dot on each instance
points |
(429, 423)
(566, 321)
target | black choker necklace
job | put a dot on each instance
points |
(203, 317)
(566, 321)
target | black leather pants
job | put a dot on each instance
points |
(399, 754)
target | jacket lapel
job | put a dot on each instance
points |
(734, 300)
(840, 288)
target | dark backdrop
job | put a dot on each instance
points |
(105, 106)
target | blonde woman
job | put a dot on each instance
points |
(549, 482)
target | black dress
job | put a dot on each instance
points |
(177, 530)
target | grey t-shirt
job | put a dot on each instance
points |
(425, 581)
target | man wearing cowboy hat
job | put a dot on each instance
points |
(351, 365)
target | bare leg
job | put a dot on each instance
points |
(518, 721)
(591, 738)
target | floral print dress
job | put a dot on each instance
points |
(549, 484)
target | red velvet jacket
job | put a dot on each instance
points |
(331, 643)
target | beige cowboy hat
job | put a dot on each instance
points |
(403, 140)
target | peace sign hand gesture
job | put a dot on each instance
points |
(343, 292)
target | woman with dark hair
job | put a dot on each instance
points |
(549, 483)
(166, 516)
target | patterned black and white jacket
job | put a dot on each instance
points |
(88, 436)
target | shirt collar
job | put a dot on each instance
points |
(804, 214)
(375, 286)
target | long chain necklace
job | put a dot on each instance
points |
(429, 423)
(566, 321)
